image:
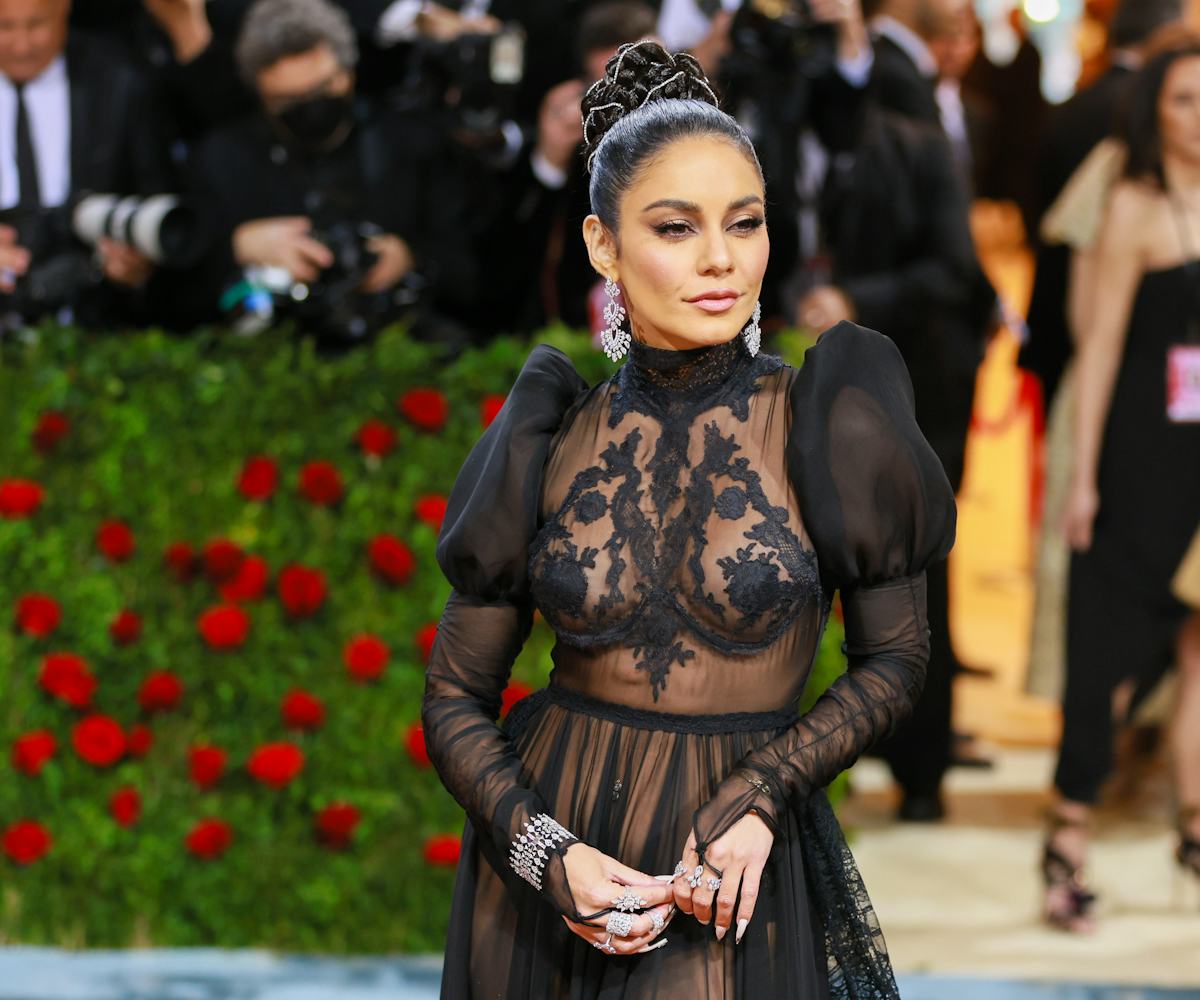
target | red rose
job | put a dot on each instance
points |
(222, 559)
(248, 583)
(160, 691)
(68, 678)
(426, 635)
(139, 740)
(258, 478)
(115, 540)
(209, 838)
(19, 498)
(180, 558)
(426, 408)
(52, 427)
(321, 483)
(336, 822)
(224, 627)
(125, 628)
(125, 806)
(391, 559)
(275, 764)
(38, 615)
(376, 438)
(302, 710)
(206, 765)
(490, 408)
(365, 657)
(25, 841)
(31, 751)
(414, 741)
(443, 849)
(99, 740)
(302, 590)
(431, 509)
(512, 694)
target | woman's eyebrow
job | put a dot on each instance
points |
(691, 206)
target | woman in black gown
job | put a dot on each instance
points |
(1135, 487)
(682, 526)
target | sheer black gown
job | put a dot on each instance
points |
(682, 526)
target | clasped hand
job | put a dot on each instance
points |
(596, 880)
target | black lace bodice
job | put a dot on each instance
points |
(670, 537)
(681, 526)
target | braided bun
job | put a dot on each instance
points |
(639, 72)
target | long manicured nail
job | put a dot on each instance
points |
(740, 931)
(650, 947)
(721, 932)
(664, 878)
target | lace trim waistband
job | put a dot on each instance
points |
(641, 718)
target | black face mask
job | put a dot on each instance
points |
(317, 124)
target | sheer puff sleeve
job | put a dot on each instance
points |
(491, 516)
(879, 509)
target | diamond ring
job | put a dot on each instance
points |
(713, 883)
(630, 901)
(680, 869)
(656, 919)
(620, 924)
(694, 879)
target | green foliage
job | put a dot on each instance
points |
(160, 429)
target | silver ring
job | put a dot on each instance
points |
(630, 901)
(694, 879)
(713, 883)
(657, 920)
(680, 869)
(620, 924)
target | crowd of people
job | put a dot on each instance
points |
(183, 163)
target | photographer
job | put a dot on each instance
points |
(74, 116)
(321, 184)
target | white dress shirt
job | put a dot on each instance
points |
(48, 110)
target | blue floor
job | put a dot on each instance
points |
(203, 974)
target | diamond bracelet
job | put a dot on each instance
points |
(528, 855)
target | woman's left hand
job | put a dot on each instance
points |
(740, 855)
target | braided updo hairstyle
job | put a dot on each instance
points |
(647, 99)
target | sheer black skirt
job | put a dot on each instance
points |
(627, 782)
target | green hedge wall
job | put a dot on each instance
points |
(129, 445)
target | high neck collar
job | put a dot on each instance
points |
(687, 369)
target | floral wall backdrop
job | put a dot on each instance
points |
(217, 569)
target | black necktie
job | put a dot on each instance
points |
(31, 192)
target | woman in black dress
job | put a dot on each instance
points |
(1135, 485)
(682, 526)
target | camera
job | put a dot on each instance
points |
(332, 307)
(781, 35)
(61, 243)
(475, 75)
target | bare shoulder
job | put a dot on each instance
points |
(1137, 222)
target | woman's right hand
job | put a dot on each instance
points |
(1079, 514)
(596, 880)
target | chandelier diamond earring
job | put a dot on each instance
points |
(751, 333)
(614, 339)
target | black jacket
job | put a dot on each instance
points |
(897, 84)
(395, 170)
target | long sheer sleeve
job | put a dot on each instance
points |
(879, 509)
(491, 517)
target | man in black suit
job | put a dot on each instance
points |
(316, 155)
(1072, 132)
(905, 74)
(894, 252)
(75, 116)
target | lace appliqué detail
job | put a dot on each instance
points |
(766, 583)
(530, 850)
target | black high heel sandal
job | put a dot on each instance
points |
(1068, 902)
(1187, 852)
